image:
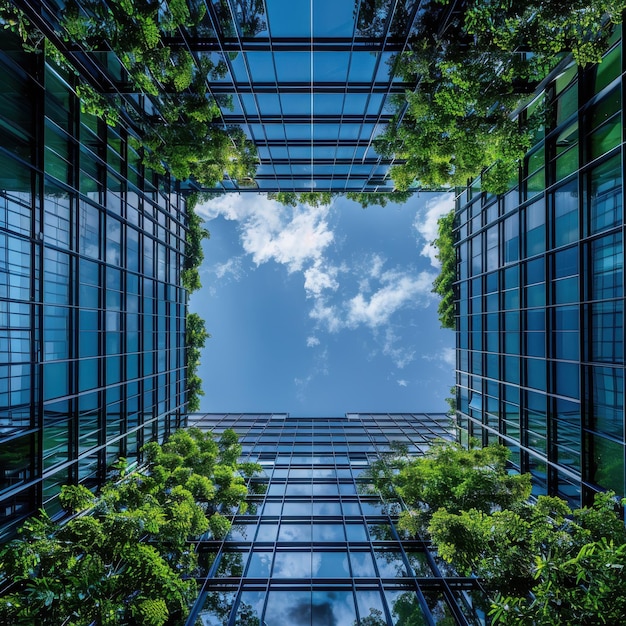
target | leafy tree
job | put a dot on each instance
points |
(195, 338)
(75, 498)
(449, 477)
(470, 78)
(185, 136)
(581, 27)
(324, 198)
(127, 563)
(540, 563)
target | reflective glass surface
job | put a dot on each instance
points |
(324, 552)
(539, 297)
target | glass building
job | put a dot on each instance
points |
(311, 82)
(91, 308)
(540, 293)
(314, 549)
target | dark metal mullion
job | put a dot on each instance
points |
(300, 87)
(229, 86)
(283, 44)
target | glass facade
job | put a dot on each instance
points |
(540, 294)
(311, 82)
(92, 316)
(313, 548)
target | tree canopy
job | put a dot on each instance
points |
(181, 131)
(131, 559)
(472, 71)
(540, 562)
(324, 198)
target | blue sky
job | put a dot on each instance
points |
(319, 311)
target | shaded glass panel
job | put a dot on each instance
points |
(362, 565)
(260, 565)
(390, 564)
(292, 565)
(288, 607)
(289, 19)
(606, 462)
(605, 195)
(216, 608)
(332, 607)
(370, 604)
(606, 400)
(404, 607)
(330, 565)
(250, 608)
(565, 210)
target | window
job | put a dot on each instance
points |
(565, 214)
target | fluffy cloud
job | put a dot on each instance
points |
(396, 349)
(448, 356)
(426, 224)
(318, 277)
(231, 268)
(326, 315)
(398, 289)
(362, 292)
(294, 237)
(402, 382)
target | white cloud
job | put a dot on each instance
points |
(325, 315)
(402, 382)
(426, 224)
(398, 290)
(448, 356)
(317, 278)
(360, 293)
(377, 262)
(401, 355)
(231, 268)
(291, 236)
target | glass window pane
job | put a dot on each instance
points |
(288, 607)
(292, 565)
(289, 19)
(333, 607)
(330, 565)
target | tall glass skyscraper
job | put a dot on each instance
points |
(91, 307)
(314, 548)
(312, 83)
(540, 293)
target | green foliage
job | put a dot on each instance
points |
(540, 563)
(448, 477)
(443, 285)
(196, 233)
(472, 77)
(186, 136)
(581, 27)
(128, 562)
(74, 498)
(195, 338)
(575, 573)
(366, 199)
(324, 198)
